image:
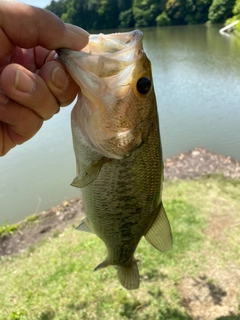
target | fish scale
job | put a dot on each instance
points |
(133, 188)
(118, 150)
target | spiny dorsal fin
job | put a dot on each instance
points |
(129, 276)
(160, 235)
(89, 174)
(84, 227)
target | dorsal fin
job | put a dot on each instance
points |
(84, 226)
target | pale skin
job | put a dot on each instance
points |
(33, 85)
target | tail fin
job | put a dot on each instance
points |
(129, 276)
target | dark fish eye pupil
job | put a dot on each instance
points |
(144, 85)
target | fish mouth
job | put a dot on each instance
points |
(113, 43)
(100, 44)
(106, 63)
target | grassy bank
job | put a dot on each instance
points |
(198, 279)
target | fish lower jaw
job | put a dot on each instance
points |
(116, 148)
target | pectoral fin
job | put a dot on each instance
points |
(84, 226)
(160, 235)
(88, 175)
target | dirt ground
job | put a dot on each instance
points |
(214, 294)
(202, 299)
(200, 162)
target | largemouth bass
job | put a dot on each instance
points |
(118, 149)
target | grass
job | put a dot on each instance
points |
(6, 229)
(56, 279)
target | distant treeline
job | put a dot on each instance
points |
(106, 14)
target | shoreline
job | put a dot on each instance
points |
(199, 162)
(52, 222)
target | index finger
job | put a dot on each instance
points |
(38, 27)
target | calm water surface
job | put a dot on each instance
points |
(197, 83)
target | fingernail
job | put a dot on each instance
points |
(82, 37)
(3, 98)
(81, 32)
(24, 83)
(55, 56)
(60, 78)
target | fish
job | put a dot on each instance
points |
(117, 145)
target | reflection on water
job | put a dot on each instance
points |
(197, 83)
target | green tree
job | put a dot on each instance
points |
(107, 11)
(126, 19)
(163, 20)
(124, 5)
(187, 11)
(58, 7)
(175, 10)
(220, 10)
(105, 14)
(145, 12)
(236, 9)
(198, 12)
(93, 14)
(82, 13)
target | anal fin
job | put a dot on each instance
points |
(159, 235)
(102, 265)
(84, 226)
(88, 175)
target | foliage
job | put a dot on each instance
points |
(6, 229)
(236, 9)
(82, 13)
(126, 19)
(145, 12)
(220, 10)
(188, 11)
(175, 10)
(58, 7)
(198, 12)
(236, 16)
(163, 20)
(105, 14)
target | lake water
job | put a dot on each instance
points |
(197, 83)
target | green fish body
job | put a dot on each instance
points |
(118, 149)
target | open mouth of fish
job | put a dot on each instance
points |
(104, 57)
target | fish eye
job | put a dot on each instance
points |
(144, 85)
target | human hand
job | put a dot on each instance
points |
(33, 85)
